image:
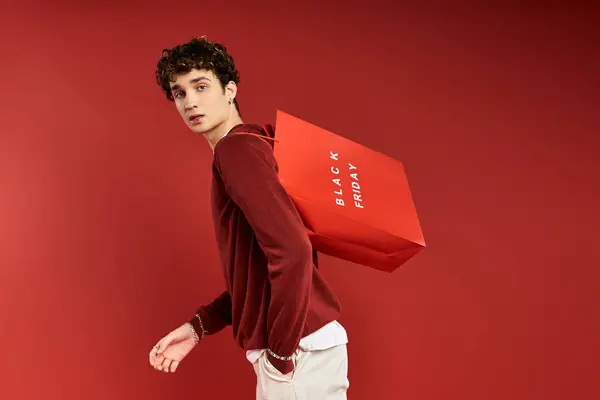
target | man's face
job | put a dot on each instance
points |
(201, 100)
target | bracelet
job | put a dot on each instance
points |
(201, 327)
(279, 357)
(196, 340)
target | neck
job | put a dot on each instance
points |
(219, 131)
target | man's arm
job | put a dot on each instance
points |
(214, 316)
(249, 172)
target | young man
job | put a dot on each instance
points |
(281, 309)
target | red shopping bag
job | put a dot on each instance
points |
(355, 202)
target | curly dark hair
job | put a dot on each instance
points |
(198, 53)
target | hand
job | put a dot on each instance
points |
(284, 367)
(172, 349)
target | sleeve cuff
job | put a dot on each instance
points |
(282, 366)
(203, 328)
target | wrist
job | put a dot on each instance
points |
(198, 326)
(194, 333)
(283, 364)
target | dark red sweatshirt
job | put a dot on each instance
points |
(275, 294)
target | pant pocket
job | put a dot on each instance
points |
(272, 384)
(273, 372)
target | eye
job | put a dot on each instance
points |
(178, 94)
(202, 87)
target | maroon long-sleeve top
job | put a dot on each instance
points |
(275, 294)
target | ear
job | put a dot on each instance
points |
(231, 90)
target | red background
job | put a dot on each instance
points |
(106, 241)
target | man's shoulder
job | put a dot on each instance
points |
(245, 137)
(248, 128)
(243, 146)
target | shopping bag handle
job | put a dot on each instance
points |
(269, 131)
(260, 136)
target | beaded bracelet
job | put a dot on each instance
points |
(201, 327)
(280, 357)
(196, 339)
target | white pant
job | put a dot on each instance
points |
(318, 375)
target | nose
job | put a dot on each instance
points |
(189, 102)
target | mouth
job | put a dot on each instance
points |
(196, 118)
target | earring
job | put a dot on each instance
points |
(230, 101)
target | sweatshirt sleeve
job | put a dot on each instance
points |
(215, 316)
(249, 171)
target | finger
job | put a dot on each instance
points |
(153, 353)
(158, 357)
(166, 365)
(158, 362)
(160, 346)
(163, 344)
(174, 365)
